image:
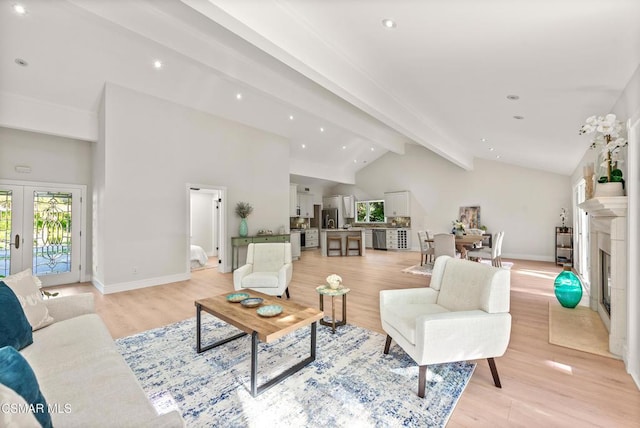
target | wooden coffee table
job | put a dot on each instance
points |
(267, 330)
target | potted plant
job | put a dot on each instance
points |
(607, 138)
(243, 209)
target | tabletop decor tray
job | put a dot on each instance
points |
(269, 310)
(251, 302)
(237, 297)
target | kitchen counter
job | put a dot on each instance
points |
(343, 233)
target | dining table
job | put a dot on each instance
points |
(465, 241)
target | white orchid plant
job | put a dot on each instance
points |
(563, 216)
(607, 130)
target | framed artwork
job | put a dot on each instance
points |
(470, 217)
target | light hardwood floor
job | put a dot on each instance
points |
(542, 384)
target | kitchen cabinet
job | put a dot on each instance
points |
(295, 245)
(293, 200)
(368, 238)
(397, 204)
(398, 239)
(305, 202)
(311, 238)
(331, 202)
(349, 206)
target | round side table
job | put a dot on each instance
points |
(325, 290)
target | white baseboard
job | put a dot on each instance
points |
(143, 283)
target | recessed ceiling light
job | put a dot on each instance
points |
(372, 149)
(518, 117)
(388, 23)
(344, 147)
(484, 140)
(157, 64)
(355, 161)
(490, 149)
(238, 96)
(19, 9)
(513, 97)
(21, 62)
(321, 129)
(290, 117)
(498, 157)
(304, 146)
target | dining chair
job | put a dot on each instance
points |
(444, 245)
(492, 253)
(426, 248)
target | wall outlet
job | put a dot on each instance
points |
(134, 270)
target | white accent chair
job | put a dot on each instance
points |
(268, 269)
(462, 315)
(492, 253)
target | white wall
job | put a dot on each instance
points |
(523, 202)
(152, 148)
(202, 211)
(52, 160)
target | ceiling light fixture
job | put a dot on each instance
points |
(513, 97)
(518, 117)
(304, 146)
(490, 149)
(238, 96)
(388, 23)
(321, 129)
(157, 64)
(21, 62)
(19, 9)
(290, 117)
(498, 157)
(344, 147)
(372, 149)
(484, 140)
(355, 161)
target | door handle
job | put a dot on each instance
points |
(17, 241)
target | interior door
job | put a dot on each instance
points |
(40, 229)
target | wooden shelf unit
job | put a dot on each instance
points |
(564, 245)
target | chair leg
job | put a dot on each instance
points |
(494, 372)
(387, 344)
(422, 380)
(287, 292)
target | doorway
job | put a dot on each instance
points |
(206, 224)
(40, 229)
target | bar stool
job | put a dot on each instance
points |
(358, 241)
(331, 239)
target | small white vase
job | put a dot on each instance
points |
(609, 189)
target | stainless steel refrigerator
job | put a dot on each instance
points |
(330, 218)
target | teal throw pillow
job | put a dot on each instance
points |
(15, 329)
(15, 373)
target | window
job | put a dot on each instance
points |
(370, 211)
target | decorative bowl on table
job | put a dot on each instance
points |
(251, 302)
(269, 310)
(237, 297)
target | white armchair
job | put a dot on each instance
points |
(268, 269)
(462, 315)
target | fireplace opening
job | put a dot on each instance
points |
(605, 281)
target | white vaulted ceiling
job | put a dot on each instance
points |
(440, 78)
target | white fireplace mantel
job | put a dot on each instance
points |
(610, 206)
(608, 232)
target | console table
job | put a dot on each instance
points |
(244, 241)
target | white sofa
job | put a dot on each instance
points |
(82, 374)
(462, 315)
(268, 269)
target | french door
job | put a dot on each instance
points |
(40, 230)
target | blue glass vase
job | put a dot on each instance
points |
(568, 288)
(244, 230)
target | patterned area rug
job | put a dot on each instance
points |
(427, 268)
(350, 384)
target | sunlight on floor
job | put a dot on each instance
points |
(560, 367)
(538, 273)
